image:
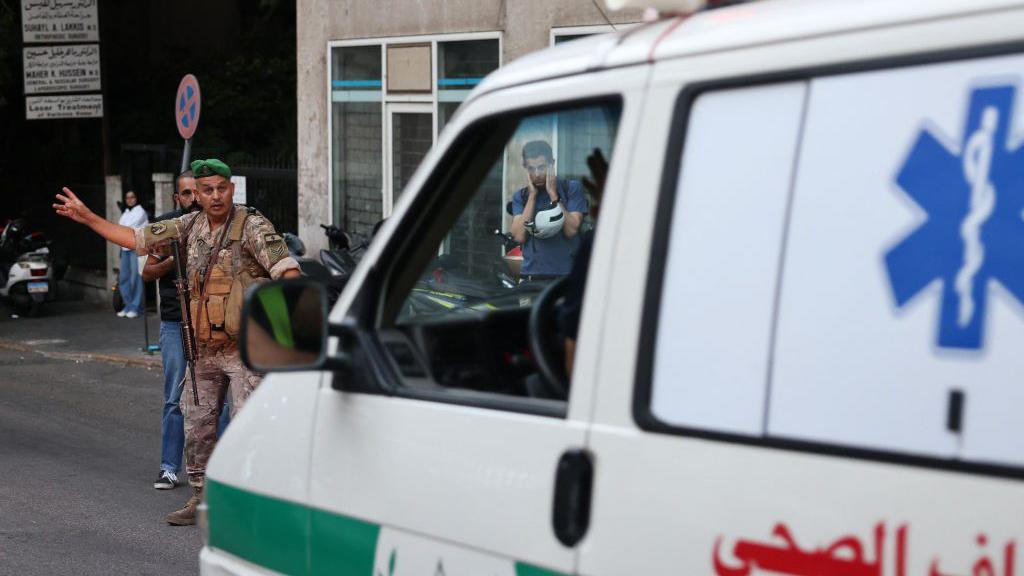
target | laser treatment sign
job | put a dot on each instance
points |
(64, 106)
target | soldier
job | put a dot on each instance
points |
(229, 248)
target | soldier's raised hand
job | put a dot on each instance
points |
(598, 172)
(71, 207)
(595, 183)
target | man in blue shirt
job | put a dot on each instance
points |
(547, 215)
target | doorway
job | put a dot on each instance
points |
(410, 134)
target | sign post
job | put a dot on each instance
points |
(186, 117)
(186, 114)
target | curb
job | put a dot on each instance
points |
(151, 362)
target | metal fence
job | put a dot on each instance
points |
(272, 187)
(271, 183)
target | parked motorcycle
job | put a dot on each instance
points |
(448, 287)
(26, 270)
(337, 262)
(344, 253)
(443, 288)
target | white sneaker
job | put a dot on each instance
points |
(132, 315)
(122, 314)
(167, 480)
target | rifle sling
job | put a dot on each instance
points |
(182, 264)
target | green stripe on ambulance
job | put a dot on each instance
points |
(277, 534)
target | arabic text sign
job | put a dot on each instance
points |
(849, 555)
(59, 21)
(74, 68)
(64, 106)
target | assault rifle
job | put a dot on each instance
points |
(188, 333)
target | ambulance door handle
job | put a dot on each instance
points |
(573, 481)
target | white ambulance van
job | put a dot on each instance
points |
(800, 340)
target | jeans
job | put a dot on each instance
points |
(173, 424)
(129, 282)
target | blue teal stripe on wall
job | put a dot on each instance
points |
(459, 81)
(356, 83)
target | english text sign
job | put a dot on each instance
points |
(64, 106)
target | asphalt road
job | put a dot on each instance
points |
(79, 450)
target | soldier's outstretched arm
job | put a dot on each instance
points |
(71, 207)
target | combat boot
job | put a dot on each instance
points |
(187, 515)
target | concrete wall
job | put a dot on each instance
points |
(526, 26)
(311, 17)
(113, 214)
(163, 193)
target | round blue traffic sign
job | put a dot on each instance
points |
(186, 106)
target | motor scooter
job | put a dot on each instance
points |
(26, 271)
(341, 257)
(337, 262)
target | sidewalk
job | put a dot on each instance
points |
(82, 331)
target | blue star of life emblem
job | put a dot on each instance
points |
(974, 231)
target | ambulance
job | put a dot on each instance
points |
(798, 343)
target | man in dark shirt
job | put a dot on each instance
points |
(172, 426)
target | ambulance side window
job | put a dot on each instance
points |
(505, 220)
(839, 267)
(904, 277)
(714, 321)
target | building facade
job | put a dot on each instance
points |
(378, 81)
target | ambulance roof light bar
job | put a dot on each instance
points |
(661, 5)
(670, 6)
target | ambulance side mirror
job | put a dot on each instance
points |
(284, 326)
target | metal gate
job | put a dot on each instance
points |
(271, 183)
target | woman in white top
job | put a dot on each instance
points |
(129, 281)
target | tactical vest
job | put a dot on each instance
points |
(216, 304)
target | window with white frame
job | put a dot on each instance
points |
(389, 98)
(576, 134)
(564, 34)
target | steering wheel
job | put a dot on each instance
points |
(546, 343)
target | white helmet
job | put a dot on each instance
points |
(548, 223)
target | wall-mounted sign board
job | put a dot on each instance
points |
(71, 68)
(53, 21)
(64, 106)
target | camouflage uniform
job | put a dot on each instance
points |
(258, 253)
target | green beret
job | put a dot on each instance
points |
(211, 167)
